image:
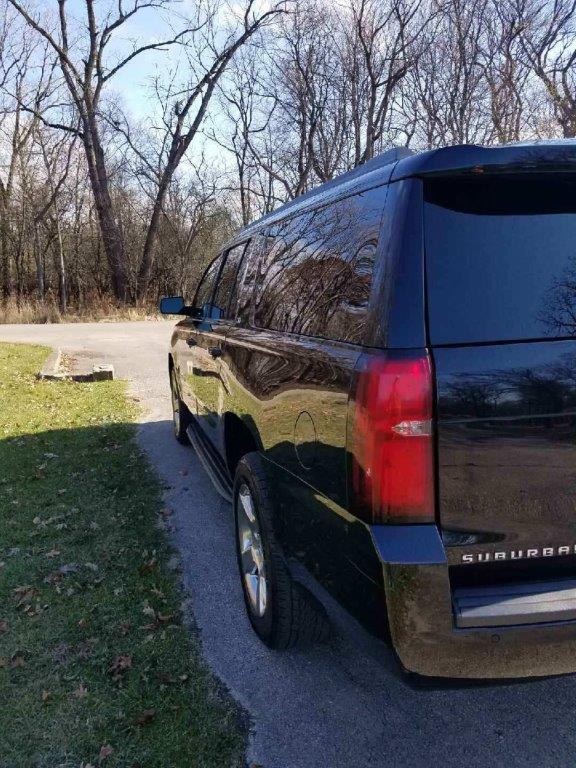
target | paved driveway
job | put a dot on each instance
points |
(341, 706)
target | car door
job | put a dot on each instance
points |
(198, 368)
(206, 341)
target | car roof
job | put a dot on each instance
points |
(402, 163)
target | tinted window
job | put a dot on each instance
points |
(316, 271)
(501, 259)
(228, 278)
(248, 277)
(205, 289)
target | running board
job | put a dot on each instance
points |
(513, 604)
(216, 473)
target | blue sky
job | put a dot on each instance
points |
(133, 82)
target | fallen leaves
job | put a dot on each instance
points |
(145, 717)
(119, 667)
(4, 626)
(26, 594)
(105, 751)
(69, 568)
(17, 660)
(124, 628)
(148, 566)
(81, 692)
(166, 679)
(158, 618)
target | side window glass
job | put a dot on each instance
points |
(316, 274)
(357, 292)
(228, 278)
(248, 278)
(205, 289)
(281, 273)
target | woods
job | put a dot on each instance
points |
(239, 108)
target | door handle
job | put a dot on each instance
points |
(215, 351)
(191, 342)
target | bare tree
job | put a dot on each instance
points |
(96, 205)
(185, 107)
(56, 154)
(239, 102)
(548, 38)
(384, 45)
(449, 93)
(506, 75)
(82, 57)
(16, 127)
(282, 106)
(323, 98)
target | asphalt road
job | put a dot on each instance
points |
(344, 705)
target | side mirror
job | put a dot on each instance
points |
(173, 305)
(211, 312)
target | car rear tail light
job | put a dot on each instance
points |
(390, 439)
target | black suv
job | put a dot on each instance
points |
(381, 377)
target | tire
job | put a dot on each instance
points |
(181, 418)
(289, 615)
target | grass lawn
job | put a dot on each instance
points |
(96, 668)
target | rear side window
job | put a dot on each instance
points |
(500, 258)
(316, 270)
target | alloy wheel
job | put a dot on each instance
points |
(175, 402)
(252, 561)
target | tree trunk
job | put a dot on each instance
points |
(148, 251)
(61, 265)
(39, 258)
(569, 125)
(111, 236)
(5, 265)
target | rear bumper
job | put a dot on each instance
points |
(423, 627)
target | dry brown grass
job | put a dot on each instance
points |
(101, 309)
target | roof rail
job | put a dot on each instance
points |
(386, 158)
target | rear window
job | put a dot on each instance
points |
(500, 259)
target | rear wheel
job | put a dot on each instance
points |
(180, 414)
(282, 612)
